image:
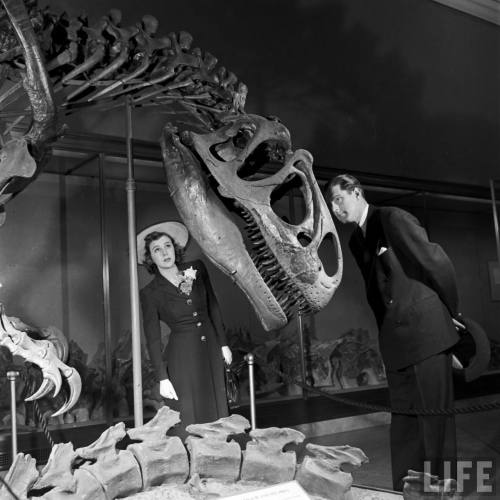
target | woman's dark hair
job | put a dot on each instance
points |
(148, 261)
(346, 182)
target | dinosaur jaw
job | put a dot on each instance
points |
(286, 253)
(211, 225)
(275, 263)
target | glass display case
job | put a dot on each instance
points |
(64, 260)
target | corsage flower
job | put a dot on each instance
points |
(188, 277)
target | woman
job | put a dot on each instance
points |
(181, 296)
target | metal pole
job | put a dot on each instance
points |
(300, 324)
(495, 217)
(11, 376)
(302, 355)
(105, 286)
(250, 360)
(134, 280)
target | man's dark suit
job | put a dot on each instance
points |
(410, 285)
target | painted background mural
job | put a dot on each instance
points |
(57, 280)
(362, 89)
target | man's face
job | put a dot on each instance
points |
(347, 206)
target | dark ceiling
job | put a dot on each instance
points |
(406, 88)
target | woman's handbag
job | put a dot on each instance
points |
(232, 385)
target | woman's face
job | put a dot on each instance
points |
(162, 252)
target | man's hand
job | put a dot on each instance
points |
(227, 354)
(459, 327)
(167, 389)
(458, 324)
(455, 363)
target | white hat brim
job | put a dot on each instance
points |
(176, 230)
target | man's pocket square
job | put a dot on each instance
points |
(381, 250)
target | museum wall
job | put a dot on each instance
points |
(51, 258)
(400, 87)
(50, 254)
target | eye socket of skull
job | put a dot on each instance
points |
(233, 146)
(243, 137)
(289, 198)
(255, 143)
(328, 252)
(304, 239)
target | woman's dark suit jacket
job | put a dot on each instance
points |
(193, 358)
(410, 285)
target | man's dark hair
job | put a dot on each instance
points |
(346, 182)
(148, 261)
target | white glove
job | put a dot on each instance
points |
(167, 389)
(455, 363)
(227, 354)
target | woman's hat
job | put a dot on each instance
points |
(176, 230)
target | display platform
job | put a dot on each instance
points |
(365, 493)
(291, 490)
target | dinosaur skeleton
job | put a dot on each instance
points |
(214, 153)
(47, 352)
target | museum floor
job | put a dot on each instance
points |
(478, 437)
(327, 422)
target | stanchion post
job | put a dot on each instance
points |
(11, 376)
(302, 354)
(250, 360)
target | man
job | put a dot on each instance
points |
(411, 288)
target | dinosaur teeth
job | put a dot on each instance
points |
(268, 261)
(257, 237)
(282, 297)
(273, 268)
(259, 244)
(285, 292)
(263, 252)
(279, 285)
(281, 302)
(245, 213)
(288, 305)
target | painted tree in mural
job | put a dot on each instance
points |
(217, 158)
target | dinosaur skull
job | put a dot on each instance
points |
(280, 270)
